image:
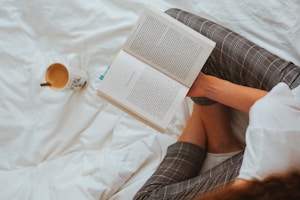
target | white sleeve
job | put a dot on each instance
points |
(273, 135)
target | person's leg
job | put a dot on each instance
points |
(209, 127)
(237, 59)
(220, 138)
(194, 131)
(177, 176)
(182, 162)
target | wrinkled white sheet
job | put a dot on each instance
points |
(73, 145)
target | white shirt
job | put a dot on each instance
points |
(273, 134)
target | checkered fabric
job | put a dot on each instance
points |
(237, 59)
(177, 177)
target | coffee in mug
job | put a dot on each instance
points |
(60, 77)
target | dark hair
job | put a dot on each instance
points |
(276, 187)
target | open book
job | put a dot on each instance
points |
(151, 75)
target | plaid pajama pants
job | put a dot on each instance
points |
(235, 59)
(177, 176)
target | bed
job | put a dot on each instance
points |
(72, 144)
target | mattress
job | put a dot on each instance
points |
(72, 144)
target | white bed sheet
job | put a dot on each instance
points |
(73, 145)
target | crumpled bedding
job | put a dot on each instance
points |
(72, 144)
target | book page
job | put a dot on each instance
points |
(142, 90)
(169, 46)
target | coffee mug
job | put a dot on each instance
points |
(60, 77)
